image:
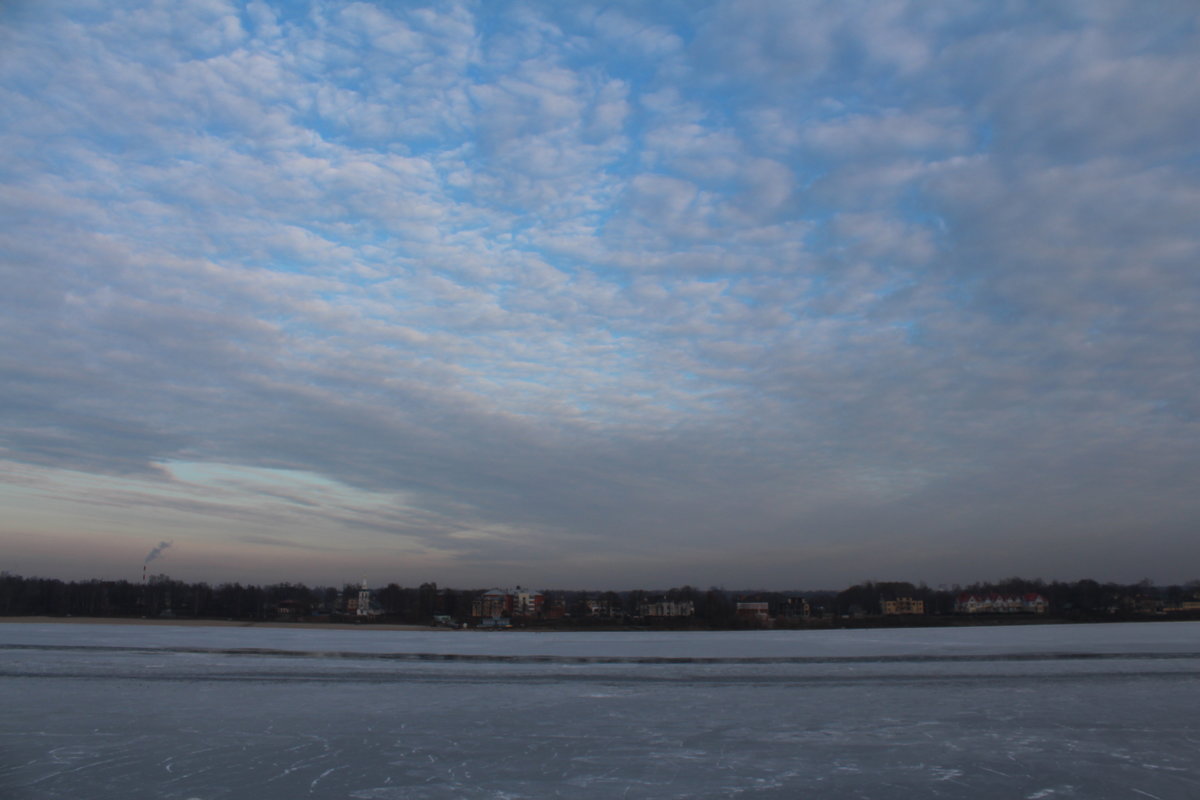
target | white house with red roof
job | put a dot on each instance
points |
(1030, 603)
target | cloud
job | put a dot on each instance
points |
(889, 132)
(610, 286)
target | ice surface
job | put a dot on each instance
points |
(1047, 711)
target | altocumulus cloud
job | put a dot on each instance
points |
(780, 294)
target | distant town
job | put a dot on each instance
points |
(870, 604)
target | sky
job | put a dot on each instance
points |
(600, 295)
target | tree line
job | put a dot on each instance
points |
(161, 596)
(1081, 598)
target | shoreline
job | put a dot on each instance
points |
(220, 623)
(863, 624)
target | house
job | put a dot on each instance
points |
(601, 608)
(1034, 603)
(492, 604)
(754, 611)
(527, 603)
(795, 608)
(291, 609)
(1184, 605)
(1031, 603)
(903, 606)
(668, 608)
(518, 602)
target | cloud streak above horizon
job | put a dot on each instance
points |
(770, 293)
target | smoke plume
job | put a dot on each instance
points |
(157, 551)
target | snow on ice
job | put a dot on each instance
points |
(1045, 711)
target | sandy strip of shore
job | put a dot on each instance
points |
(222, 623)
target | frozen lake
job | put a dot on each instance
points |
(1048, 711)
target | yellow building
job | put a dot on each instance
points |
(903, 605)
